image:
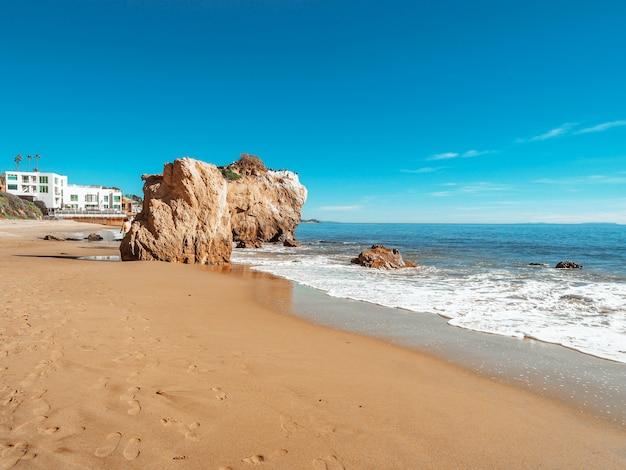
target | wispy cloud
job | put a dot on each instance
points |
(602, 127)
(568, 129)
(477, 153)
(578, 180)
(467, 154)
(340, 208)
(471, 188)
(428, 169)
(443, 156)
(551, 134)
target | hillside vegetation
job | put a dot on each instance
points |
(12, 207)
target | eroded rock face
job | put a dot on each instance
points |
(265, 205)
(185, 217)
(193, 211)
(380, 256)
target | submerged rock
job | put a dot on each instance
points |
(380, 256)
(94, 237)
(568, 265)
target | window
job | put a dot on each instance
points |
(43, 189)
(116, 198)
(43, 179)
(106, 198)
(91, 198)
(56, 180)
(73, 197)
(12, 178)
(12, 186)
(106, 206)
(24, 178)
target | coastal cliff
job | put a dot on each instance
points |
(194, 211)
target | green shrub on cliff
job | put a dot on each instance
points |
(12, 207)
(229, 174)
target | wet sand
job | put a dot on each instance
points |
(156, 365)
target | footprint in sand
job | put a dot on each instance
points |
(110, 444)
(189, 431)
(129, 397)
(56, 355)
(132, 378)
(288, 425)
(329, 463)
(219, 393)
(103, 383)
(131, 451)
(40, 406)
(256, 459)
(13, 454)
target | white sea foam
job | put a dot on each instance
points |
(545, 304)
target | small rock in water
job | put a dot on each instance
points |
(568, 265)
(94, 237)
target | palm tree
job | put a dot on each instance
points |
(17, 160)
(29, 157)
(37, 157)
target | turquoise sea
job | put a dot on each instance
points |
(498, 279)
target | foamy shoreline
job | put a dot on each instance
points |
(155, 365)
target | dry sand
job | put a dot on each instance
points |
(155, 365)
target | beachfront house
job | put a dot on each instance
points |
(92, 198)
(55, 192)
(37, 186)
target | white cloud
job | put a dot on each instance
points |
(471, 188)
(428, 169)
(602, 127)
(340, 208)
(476, 153)
(443, 156)
(551, 134)
(576, 180)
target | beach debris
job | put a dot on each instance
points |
(568, 265)
(379, 256)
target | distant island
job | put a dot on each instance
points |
(310, 221)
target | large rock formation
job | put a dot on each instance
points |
(185, 217)
(265, 205)
(380, 256)
(194, 211)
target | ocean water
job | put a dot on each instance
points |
(498, 279)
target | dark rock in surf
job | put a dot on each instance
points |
(380, 256)
(290, 243)
(54, 237)
(94, 237)
(568, 265)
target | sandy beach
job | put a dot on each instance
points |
(155, 365)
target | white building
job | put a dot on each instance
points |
(56, 193)
(37, 186)
(92, 198)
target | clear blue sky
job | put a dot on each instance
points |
(389, 111)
